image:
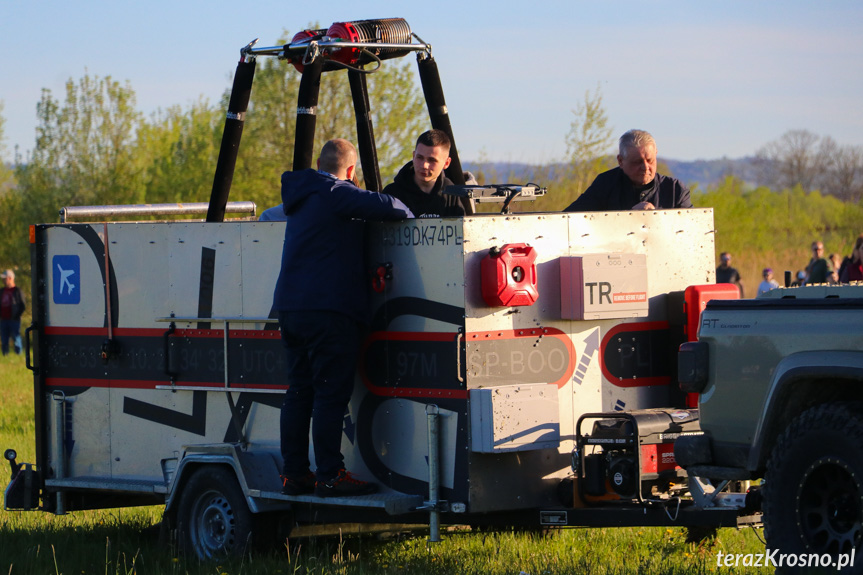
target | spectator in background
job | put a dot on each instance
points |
(274, 214)
(768, 283)
(725, 274)
(852, 266)
(836, 264)
(818, 269)
(801, 279)
(12, 305)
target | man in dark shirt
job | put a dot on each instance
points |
(420, 183)
(634, 184)
(725, 274)
(818, 269)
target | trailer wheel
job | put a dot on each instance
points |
(813, 488)
(213, 517)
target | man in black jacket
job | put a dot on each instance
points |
(634, 184)
(420, 183)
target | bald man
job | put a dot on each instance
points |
(322, 300)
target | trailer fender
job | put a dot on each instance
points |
(800, 381)
(256, 471)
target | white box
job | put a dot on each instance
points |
(603, 286)
(514, 418)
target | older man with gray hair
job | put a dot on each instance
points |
(634, 184)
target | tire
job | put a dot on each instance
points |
(813, 488)
(213, 518)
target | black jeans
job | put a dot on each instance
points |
(321, 349)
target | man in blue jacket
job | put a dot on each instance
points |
(634, 184)
(322, 300)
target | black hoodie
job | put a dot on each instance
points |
(423, 205)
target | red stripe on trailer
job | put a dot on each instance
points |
(158, 332)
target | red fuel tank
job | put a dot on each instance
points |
(509, 276)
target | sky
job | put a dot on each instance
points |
(708, 80)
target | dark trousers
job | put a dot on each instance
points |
(10, 330)
(321, 349)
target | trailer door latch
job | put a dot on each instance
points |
(110, 348)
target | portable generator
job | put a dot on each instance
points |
(629, 456)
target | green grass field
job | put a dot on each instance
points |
(126, 540)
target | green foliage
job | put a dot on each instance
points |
(183, 147)
(84, 150)
(587, 144)
(11, 239)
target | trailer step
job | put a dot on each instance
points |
(108, 484)
(392, 503)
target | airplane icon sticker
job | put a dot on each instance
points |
(66, 271)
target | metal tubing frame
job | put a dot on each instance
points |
(433, 415)
(307, 115)
(59, 446)
(185, 208)
(301, 47)
(232, 134)
(365, 131)
(439, 116)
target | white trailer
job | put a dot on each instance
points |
(159, 370)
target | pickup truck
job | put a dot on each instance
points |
(780, 379)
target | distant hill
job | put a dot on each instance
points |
(707, 172)
(701, 172)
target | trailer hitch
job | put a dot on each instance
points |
(10, 455)
(22, 493)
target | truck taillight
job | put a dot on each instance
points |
(32, 234)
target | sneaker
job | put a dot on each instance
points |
(302, 485)
(344, 485)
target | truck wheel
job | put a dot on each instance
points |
(213, 518)
(813, 488)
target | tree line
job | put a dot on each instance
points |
(94, 147)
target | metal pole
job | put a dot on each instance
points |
(236, 118)
(307, 114)
(433, 414)
(365, 131)
(59, 446)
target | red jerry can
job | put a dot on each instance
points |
(509, 276)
